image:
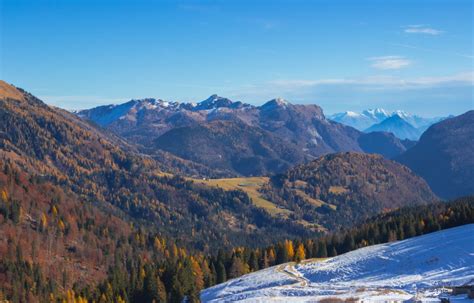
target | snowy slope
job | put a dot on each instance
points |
(414, 268)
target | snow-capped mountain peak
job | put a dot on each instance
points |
(281, 101)
(362, 120)
(275, 103)
(372, 119)
(377, 113)
(214, 102)
(352, 114)
(402, 114)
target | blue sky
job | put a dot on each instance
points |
(343, 55)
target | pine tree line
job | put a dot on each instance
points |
(181, 276)
(150, 268)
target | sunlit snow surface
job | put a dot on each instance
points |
(418, 268)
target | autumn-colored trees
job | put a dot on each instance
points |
(185, 275)
(125, 262)
(300, 253)
(10, 208)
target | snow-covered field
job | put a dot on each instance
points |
(414, 269)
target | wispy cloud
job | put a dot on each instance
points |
(430, 95)
(422, 29)
(389, 62)
(380, 82)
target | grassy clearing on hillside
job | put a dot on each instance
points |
(299, 186)
(337, 190)
(251, 186)
(315, 202)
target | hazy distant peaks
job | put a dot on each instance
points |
(404, 125)
(378, 113)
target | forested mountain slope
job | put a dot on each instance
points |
(444, 156)
(61, 148)
(339, 188)
(233, 147)
(384, 143)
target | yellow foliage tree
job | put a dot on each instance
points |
(54, 210)
(103, 298)
(289, 248)
(271, 255)
(4, 196)
(43, 222)
(70, 296)
(198, 275)
(157, 244)
(300, 254)
(174, 251)
(61, 225)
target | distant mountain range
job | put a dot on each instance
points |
(361, 121)
(219, 137)
(400, 123)
(234, 138)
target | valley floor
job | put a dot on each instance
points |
(418, 269)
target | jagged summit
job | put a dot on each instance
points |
(213, 102)
(281, 101)
(107, 114)
(377, 113)
(274, 103)
(402, 114)
(368, 120)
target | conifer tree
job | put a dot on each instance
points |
(237, 268)
(281, 254)
(349, 243)
(271, 256)
(333, 252)
(221, 273)
(263, 261)
(253, 261)
(322, 250)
